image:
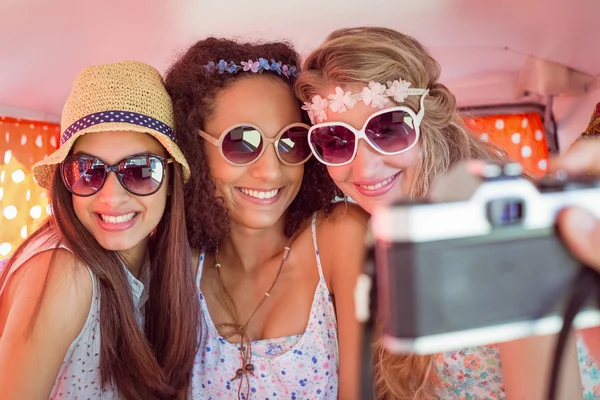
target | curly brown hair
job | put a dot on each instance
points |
(193, 90)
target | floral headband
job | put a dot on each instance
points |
(253, 66)
(375, 94)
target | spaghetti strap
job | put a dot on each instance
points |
(314, 235)
(199, 272)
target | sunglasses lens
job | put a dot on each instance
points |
(333, 144)
(142, 175)
(293, 145)
(392, 132)
(83, 175)
(242, 145)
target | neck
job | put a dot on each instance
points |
(134, 257)
(249, 249)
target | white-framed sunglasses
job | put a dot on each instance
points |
(390, 131)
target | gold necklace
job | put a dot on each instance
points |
(227, 330)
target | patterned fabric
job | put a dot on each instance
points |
(520, 135)
(295, 367)
(590, 374)
(79, 375)
(593, 128)
(116, 116)
(469, 374)
(476, 373)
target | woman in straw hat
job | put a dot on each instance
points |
(100, 301)
(272, 303)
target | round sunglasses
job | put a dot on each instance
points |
(390, 131)
(140, 175)
(243, 144)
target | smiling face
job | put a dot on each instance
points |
(372, 179)
(119, 220)
(256, 195)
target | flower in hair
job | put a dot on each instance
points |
(221, 66)
(276, 67)
(232, 68)
(317, 110)
(341, 101)
(288, 71)
(263, 64)
(398, 90)
(251, 65)
(210, 67)
(375, 95)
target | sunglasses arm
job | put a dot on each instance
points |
(422, 106)
(208, 138)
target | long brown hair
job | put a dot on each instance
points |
(193, 90)
(156, 362)
(365, 54)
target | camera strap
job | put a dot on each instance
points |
(585, 285)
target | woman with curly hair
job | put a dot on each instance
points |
(382, 86)
(276, 286)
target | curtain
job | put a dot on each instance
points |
(23, 205)
(520, 135)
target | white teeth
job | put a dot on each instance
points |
(379, 185)
(110, 219)
(260, 195)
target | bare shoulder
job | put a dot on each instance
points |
(341, 240)
(345, 219)
(44, 307)
(56, 280)
(59, 267)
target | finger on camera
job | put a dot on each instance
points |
(580, 231)
(582, 157)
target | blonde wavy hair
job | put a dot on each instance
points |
(361, 55)
(365, 54)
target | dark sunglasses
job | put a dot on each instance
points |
(244, 144)
(390, 131)
(140, 175)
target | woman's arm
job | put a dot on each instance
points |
(34, 340)
(342, 248)
(526, 365)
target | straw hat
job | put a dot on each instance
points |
(124, 96)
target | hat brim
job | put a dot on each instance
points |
(43, 170)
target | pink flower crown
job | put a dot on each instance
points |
(375, 94)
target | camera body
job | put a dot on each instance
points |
(479, 261)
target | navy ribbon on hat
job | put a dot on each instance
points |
(116, 116)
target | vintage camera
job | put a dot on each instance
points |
(479, 261)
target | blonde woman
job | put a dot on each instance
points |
(382, 86)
